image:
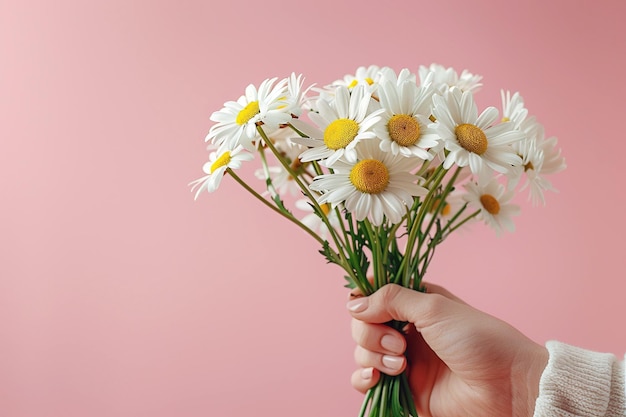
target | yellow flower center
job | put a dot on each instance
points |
(369, 176)
(247, 113)
(325, 208)
(528, 166)
(505, 119)
(355, 82)
(471, 138)
(404, 129)
(490, 204)
(444, 211)
(223, 160)
(340, 133)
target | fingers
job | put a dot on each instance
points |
(394, 302)
(437, 289)
(389, 364)
(364, 379)
(378, 338)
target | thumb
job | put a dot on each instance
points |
(394, 302)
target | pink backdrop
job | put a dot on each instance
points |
(120, 296)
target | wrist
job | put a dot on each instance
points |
(526, 377)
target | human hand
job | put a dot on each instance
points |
(459, 360)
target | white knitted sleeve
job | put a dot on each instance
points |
(580, 383)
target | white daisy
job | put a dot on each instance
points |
(472, 139)
(513, 109)
(237, 121)
(365, 76)
(314, 222)
(444, 78)
(405, 125)
(344, 123)
(282, 180)
(453, 203)
(540, 157)
(377, 185)
(296, 95)
(389, 75)
(493, 201)
(215, 168)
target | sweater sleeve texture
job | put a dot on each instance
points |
(580, 383)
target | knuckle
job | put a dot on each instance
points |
(389, 293)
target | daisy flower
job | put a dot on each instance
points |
(296, 96)
(389, 75)
(282, 180)
(493, 201)
(513, 109)
(446, 78)
(344, 123)
(377, 185)
(314, 222)
(472, 139)
(405, 126)
(540, 157)
(237, 121)
(365, 76)
(451, 206)
(215, 168)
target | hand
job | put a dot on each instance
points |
(460, 361)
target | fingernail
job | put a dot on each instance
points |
(391, 343)
(355, 293)
(367, 373)
(357, 305)
(393, 362)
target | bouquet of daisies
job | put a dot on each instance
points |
(380, 167)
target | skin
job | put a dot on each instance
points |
(460, 361)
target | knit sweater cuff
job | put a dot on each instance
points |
(577, 382)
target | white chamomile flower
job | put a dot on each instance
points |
(314, 222)
(553, 160)
(387, 74)
(513, 109)
(377, 185)
(540, 157)
(344, 123)
(449, 211)
(444, 78)
(237, 121)
(215, 168)
(472, 139)
(296, 96)
(282, 180)
(493, 201)
(365, 76)
(405, 127)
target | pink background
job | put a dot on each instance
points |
(120, 296)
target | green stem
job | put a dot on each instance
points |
(366, 402)
(465, 220)
(379, 269)
(404, 385)
(266, 171)
(303, 187)
(442, 199)
(339, 244)
(432, 183)
(276, 209)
